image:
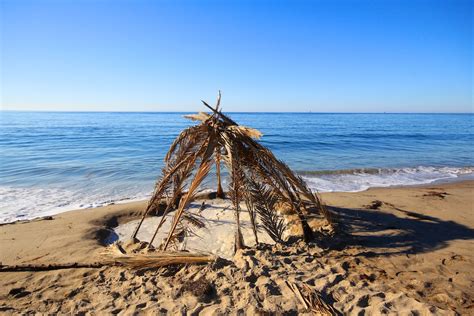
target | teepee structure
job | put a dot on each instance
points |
(256, 178)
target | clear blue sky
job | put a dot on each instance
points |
(328, 56)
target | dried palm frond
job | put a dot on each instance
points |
(194, 220)
(186, 228)
(314, 199)
(264, 204)
(187, 138)
(280, 177)
(155, 260)
(252, 215)
(184, 164)
(312, 300)
(160, 189)
(176, 240)
(200, 175)
(235, 187)
(245, 131)
(201, 116)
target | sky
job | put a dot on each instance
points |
(278, 56)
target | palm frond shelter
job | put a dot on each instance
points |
(256, 177)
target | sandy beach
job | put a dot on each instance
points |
(404, 250)
(236, 158)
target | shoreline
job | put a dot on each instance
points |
(411, 253)
(123, 201)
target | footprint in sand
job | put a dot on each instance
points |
(452, 259)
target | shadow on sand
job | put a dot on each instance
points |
(385, 234)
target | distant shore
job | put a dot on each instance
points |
(414, 244)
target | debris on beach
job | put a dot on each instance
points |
(441, 195)
(138, 255)
(374, 205)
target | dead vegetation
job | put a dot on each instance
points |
(312, 300)
(374, 205)
(200, 288)
(256, 178)
(440, 195)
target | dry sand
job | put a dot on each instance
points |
(413, 254)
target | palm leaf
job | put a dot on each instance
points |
(264, 204)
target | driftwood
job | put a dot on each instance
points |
(50, 267)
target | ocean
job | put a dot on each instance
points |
(56, 161)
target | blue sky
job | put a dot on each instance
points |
(320, 56)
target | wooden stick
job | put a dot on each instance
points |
(220, 192)
(50, 267)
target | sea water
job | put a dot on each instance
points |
(56, 161)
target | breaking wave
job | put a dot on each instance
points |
(353, 180)
(28, 203)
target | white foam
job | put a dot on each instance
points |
(360, 181)
(28, 203)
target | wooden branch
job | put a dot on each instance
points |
(218, 112)
(218, 100)
(220, 192)
(50, 267)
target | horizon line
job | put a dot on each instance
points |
(243, 112)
